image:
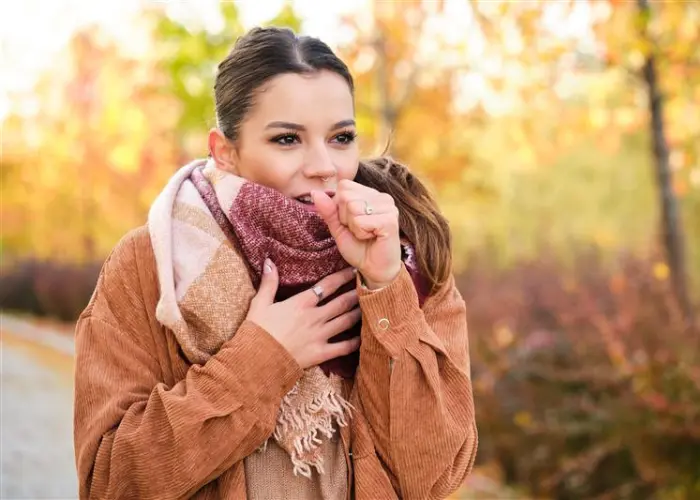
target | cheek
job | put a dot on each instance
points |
(346, 162)
(268, 166)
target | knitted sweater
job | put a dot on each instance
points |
(147, 424)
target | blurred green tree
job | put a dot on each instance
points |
(189, 57)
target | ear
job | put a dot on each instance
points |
(222, 151)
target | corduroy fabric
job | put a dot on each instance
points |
(149, 424)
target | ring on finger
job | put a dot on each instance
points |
(369, 210)
(318, 291)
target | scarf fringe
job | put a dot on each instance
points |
(306, 422)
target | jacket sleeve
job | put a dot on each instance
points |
(135, 436)
(414, 387)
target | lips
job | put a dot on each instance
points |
(306, 198)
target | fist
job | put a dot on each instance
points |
(365, 226)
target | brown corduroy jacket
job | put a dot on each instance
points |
(150, 425)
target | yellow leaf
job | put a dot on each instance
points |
(124, 158)
(504, 336)
(523, 419)
(661, 271)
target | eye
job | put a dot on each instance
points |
(346, 137)
(285, 139)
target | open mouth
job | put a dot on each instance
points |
(306, 198)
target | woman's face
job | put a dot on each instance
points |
(298, 136)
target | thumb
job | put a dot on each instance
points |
(328, 211)
(268, 283)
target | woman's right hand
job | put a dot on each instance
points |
(299, 325)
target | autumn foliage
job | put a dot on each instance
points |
(587, 379)
(530, 123)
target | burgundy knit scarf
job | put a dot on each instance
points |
(263, 223)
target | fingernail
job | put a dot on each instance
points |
(354, 271)
(267, 266)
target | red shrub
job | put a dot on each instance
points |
(47, 288)
(587, 383)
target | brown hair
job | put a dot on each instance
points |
(420, 219)
(264, 53)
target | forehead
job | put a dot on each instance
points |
(321, 96)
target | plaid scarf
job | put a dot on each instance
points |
(211, 232)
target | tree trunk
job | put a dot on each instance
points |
(671, 225)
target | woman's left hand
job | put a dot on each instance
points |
(365, 226)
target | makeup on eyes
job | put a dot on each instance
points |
(289, 138)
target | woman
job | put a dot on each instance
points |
(286, 324)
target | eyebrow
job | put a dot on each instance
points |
(296, 126)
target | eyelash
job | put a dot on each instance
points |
(350, 135)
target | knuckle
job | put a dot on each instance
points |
(349, 320)
(387, 198)
(350, 346)
(341, 278)
(329, 283)
(349, 300)
(343, 196)
(352, 207)
(310, 295)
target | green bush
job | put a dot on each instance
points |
(587, 383)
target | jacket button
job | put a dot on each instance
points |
(383, 324)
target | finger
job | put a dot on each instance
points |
(328, 285)
(341, 323)
(343, 348)
(269, 282)
(358, 231)
(380, 204)
(349, 186)
(343, 199)
(350, 193)
(374, 226)
(339, 305)
(328, 211)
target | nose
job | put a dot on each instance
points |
(319, 162)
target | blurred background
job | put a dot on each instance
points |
(561, 138)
